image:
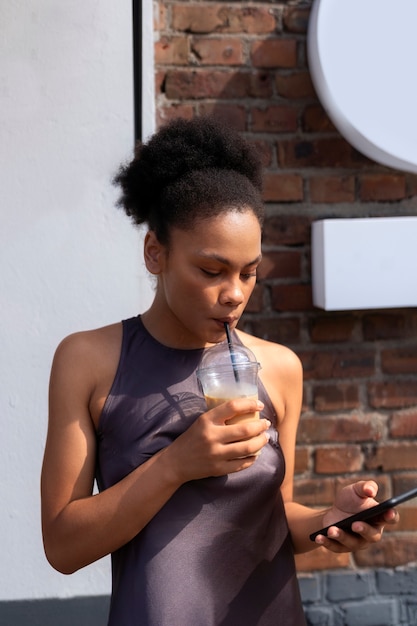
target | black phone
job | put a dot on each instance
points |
(368, 514)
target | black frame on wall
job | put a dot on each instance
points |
(137, 67)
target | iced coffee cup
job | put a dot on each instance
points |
(226, 373)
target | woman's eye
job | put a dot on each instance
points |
(207, 273)
(243, 276)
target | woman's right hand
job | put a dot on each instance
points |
(211, 447)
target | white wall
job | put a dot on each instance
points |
(69, 260)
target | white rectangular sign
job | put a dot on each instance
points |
(364, 263)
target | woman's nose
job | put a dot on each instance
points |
(232, 294)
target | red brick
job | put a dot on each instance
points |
(160, 77)
(272, 53)
(405, 482)
(321, 559)
(331, 328)
(294, 86)
(408, 519)
(160, 18)
(165, 114)
(296, 19)
(282, 187)
(338, 459)
(411, 185)
(251, 20)
(287, 230)
(387, 326)
(219, 51)
(281, 330)
(230, 114)
(280, 265)
(341, 428)
(260, 85)
(265, 151)
(399, 360)
(332, 189)
(222, 19)
(302, 458)
(403, 424)
(381, 187)
(349, 363)
(292, 297)
(198, 18)
(338, 397)
(315, 119)
(199, 84)
(171, 50)
(274, 119)
(255, 304)
(394, 550)
(392, 456)
(392, 394)
(328, 152)
(318, 492)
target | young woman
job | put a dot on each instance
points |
(198, 514)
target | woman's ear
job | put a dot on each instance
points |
(154, 253)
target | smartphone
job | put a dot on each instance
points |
(368, 514)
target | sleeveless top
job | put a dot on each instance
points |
(218, 553)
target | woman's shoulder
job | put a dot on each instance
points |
(84, 367)
(281, 373)
(272, 354)
(87, 342)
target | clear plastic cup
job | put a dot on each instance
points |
(227, 373)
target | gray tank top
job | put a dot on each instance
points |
(218, 553)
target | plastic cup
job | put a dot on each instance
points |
(225, 375)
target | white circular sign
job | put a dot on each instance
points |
(362, 62)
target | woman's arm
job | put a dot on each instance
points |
(283, 378)
(78, 527)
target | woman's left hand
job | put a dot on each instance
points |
(350, 500)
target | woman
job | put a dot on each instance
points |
(198, 514)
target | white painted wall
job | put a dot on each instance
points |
(68, 259)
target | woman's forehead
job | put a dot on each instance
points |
(222, 235)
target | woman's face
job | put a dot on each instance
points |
(205, 278)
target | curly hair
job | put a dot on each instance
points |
(188, 171)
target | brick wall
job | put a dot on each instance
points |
(246, 63)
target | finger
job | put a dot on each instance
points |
(366, 488)
(331, 544)
(391, 516)
(237, 465)
(234, 408)
(247, 448)
(340, 541)
(246, 430)
(369, 533)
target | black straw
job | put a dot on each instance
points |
(232, 356)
